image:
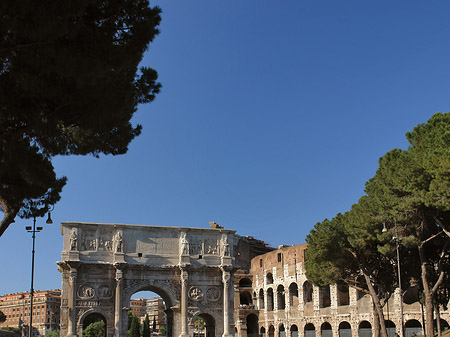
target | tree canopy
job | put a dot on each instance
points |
(2, 317)
(146, 327)
(70, 83)
(96, 329)
(409, 197)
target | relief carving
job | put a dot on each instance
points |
(213, 294)
(195, 294)
(89, 241)
(104, 291)
(86, 291)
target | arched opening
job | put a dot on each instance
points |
(261, 299)
(345, 330)
(293, 294)
(294, 331)
(325, 330)
(325, 297)
(390, 327)
(365, 329)
(413, 328)
(281, 331)
(271, 331)
(281, 303)
(269, 278)
(307, 292)
(343, 294)
(269, 299)
(245, 283)
(204, 326)
(444, 324)
(95, 322)
(155, 304)
(310, 330)
(245, 298)
(262, 332)
(252, 325)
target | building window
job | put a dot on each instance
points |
(260, 262)
(280, 257)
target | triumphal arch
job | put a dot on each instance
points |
(103, 265)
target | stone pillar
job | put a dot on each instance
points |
(118, 303)
(72, 321)
(184, 303)
(334, 299)
(226, 302)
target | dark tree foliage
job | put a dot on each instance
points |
(154, 323)
(70, 84)
(146, 327)
(2, 317)
(96, 329)
(135, 330)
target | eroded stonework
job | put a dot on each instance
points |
(103, 265)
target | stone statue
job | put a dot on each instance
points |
(73, 240)
(184, 244)
(119, 242)
(225, 246)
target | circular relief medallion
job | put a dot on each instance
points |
(213, 294)
(86, 291)
(195, 293)
(104, 291)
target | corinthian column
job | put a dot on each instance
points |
(72, 323)
(118, 303)
(226, 305)
(184, 304)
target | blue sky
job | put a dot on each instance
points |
(272, 116)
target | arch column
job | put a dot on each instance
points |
(72, 321)
(184, 303)
(118, 302)
(226, 275)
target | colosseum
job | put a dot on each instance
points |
(275, 299)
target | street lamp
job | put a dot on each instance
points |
(33, 229)
(397, 244)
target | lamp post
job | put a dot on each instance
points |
(33, 229)
(397, 244)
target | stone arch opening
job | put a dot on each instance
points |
(281, 303)
(269, 278)
(345, 329)
(271, 331)
(269, 299)
(204, 325)
(93, 319)
(252, 325)
(325, 330)
(365, 329)
(443, 323)
(262, 331)
(294, 330)
(245, 298)
(307, 292)
(293, 294)
(413, 328)
(281, 331)
(261, 299)
(310, 330)
(390, 327)
(343, 294)
(325, 297)
(245, 283)
(157, 304)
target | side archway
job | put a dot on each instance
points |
(310, 330)
(345, 329)
(252, 325)
(413, 328)
(365, 329)
(325, 330)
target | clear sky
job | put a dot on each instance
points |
(272, 116)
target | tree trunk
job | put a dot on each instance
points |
(428, 294)
(377, 304)
(438, 320)
(9, 214)
(423, 320)
(376, 323)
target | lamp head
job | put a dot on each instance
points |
(49, 219)
(384, 230)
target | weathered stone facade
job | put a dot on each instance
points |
(192, 269)
(276, 299)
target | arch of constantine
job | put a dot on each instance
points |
(238, 285)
